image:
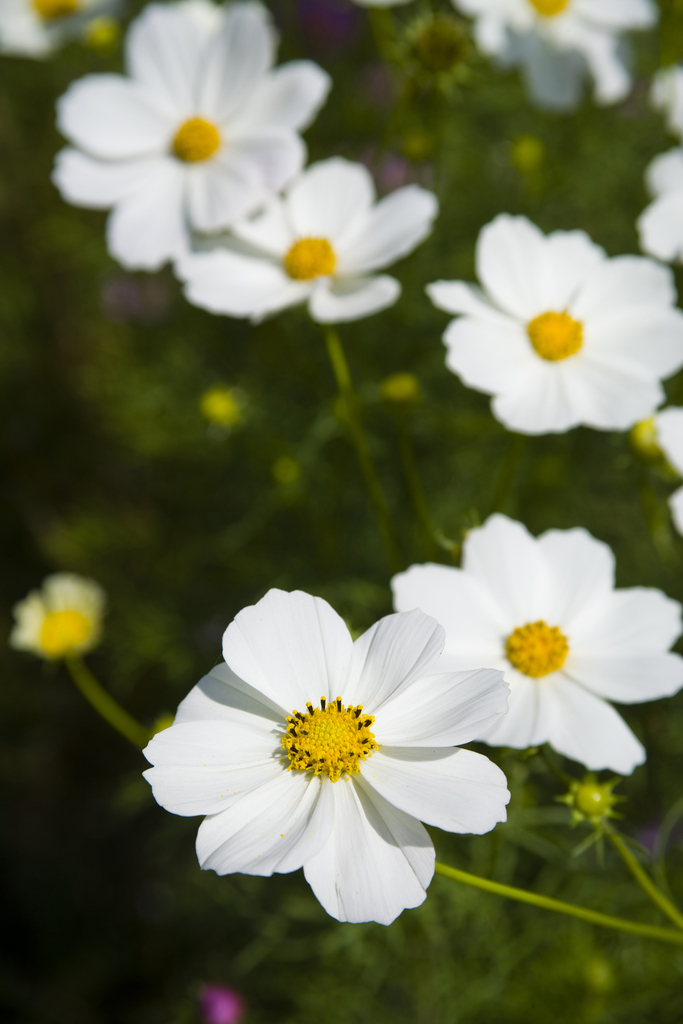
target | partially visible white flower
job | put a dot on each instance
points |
(667, 96)
(381, 3)
(546, 612)
(63, 617)
(35, 28)
(556, 42)
(320, 244)
(337, 784)
(660, 225)
(669, 426)
(199, 135)
(561, 335)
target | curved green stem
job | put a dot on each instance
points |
(560, 907)
(416, 492)
(105, 705)
(348, 399)
(644, 880)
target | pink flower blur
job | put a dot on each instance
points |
(220, 1005)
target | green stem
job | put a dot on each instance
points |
(105, 705)
(508, 472)
(570, 909)
(360, 442)
(416, 492)
(644, 880)
(561, 776)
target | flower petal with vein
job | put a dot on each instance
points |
(321, 244)
(305, 749)
(545, 611)
(559, 334)
(199, 134)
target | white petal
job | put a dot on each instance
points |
(630, 679)
(617, 14)
(456, 790)
(287, 97)
(665, 173)
(108, 116)
(602, 54)
(332, 198)
(228, 282)
(97, 184)
(511, 253)
(660, 227)
(670, 436)
(527, 722)
(269, 230)
(459, 297)
(377, 861)
(224, 696)
(164, 52)
(272, 157)
(610, 393)
(443, 710)
(572, 259)
(582, 569)
(274, 829)
(553, 76)
(293, 648)
(220, 192)
(392, 654)
(236, 60)
(188, 791)
(345, 299)
(649, 339)
(147, 228)
(635, 620)
(676, 507)
(393, 228)
(488, 356)
(625, 283)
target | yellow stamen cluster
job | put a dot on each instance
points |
(196, 140)
(329, 740)
(537, 649)
(310, 257)
(49, 9)
(549, 8)
(62, 632)
(555, 336)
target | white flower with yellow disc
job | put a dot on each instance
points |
(200, 134)
(669, 435)
(35, 28)
(306, 749)
(545, 611)
(561, 335)
(556, 42)
(63, 618)
(321, 244)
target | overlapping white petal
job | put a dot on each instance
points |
(334, 201)
(555, 50)
(631, 332)
(618, 640)
(359, 839)
(183, 67)
(660, 225)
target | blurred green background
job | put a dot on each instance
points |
(109, 469)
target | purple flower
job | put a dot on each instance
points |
(328, 24)
(220, 1005)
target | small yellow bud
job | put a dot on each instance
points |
(401, 390)
(286, 470)
(418, 146)
(102, 34)
(591, 800)
(222, 406)
(644, 439)
(527, 154)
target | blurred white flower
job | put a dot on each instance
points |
(63, 617)
(667, 96)
(556, 42)
(319, 244)
(35, 28)
(199, 135)
(546, 612)
(660, 225)
(669, 427)
(336, 784)
(561, 335)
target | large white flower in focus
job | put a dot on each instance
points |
(320, 244)
(546, 612)
(336, 783)
(35, 28)
(199, 135)
(669, 433)
(561, 335)
(556, 41)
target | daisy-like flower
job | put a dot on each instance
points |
(199, 135)
(64, 617)
(669, 435)
(561, 335)
(557, 41)
(338, 783)
(35, 28)
(546, 612)
(660, 225)
(320, 244)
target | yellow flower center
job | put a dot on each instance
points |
(329, 740)
(310, 257)
(55, 8)
(555, 336)
(537, 649)
(196, 140)
(62, 632)
(549, 8)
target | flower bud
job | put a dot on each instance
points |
(401, 391)
(222, 406)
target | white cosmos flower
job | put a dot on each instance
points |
(556, 41)
(288, 778)
(669, 434)
(199, 135)
(546, 612)
(321, 244)
(35, 28)
(561, 335)
(63, 617)
(660, 225)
